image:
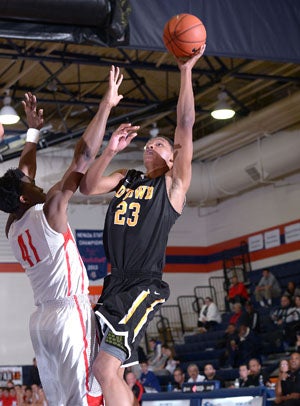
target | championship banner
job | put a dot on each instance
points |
(90, 246)
(10, 373)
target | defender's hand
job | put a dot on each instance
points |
(34, 118)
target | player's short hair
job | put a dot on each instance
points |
(11, 190)
(167, 139)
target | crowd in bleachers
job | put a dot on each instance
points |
(30, 393)
(253, 343)
(242, 347)
(22, 395)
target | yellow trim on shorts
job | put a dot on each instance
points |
(141, 297)
(144, 318)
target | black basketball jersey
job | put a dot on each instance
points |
(137, 225)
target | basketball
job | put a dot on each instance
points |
(183, 35)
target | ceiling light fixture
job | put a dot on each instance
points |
(154, 131)
(8, 114)
(222, 110)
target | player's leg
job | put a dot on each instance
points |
(94, 394)
(41, 331)
(116, 392)
(78, 338)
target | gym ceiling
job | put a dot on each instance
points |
(61, 50)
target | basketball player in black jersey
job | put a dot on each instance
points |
(138, 221)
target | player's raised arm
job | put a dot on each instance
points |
(94, 182)
(85, 152)
(35, 121)
(183, 140)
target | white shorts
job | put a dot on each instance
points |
(65, 341)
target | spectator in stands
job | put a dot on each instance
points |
(243, 376)
(166, 364)
(297, 343)
(5, 397)
(253, 317)
(148, 379)
(290, 387)
(229, 344)
(42, 398)
(19, 394)
(209, 315)
(179, 379)
(283, 317)
(12, 396)
(34, 376)
(297, 305)
(211, 374)
(154, 351)
(28, 400)
(237, 292)
(142, 357)
(141, 354)
(194, 375)
(297, 312)
(283, 374)
(248, 345)
(292, 291)
(10, 383)
(233, 354)
(239, 315)
(268, 288)
(35, 393)
(255, 370)
(135, 385)
(158, 365)
(171, 363)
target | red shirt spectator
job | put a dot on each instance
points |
(239, 316)
(237, 292)
(135, 385)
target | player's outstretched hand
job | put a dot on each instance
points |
(122, 137)
(112, 97)
(35, 119)
(191, 62)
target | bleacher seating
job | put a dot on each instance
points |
(211, 337)
(283, 272)
(199, 355)
(203, 348)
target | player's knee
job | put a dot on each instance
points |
(104, 372)
(97, 370)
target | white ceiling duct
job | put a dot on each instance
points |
(278, 116)
(258, 163)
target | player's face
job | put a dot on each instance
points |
(158, 149)
(31, 192)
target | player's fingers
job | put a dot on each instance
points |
(131, 136)
(119, 81)
(124, 125)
